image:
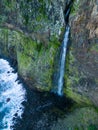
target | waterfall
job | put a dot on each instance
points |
(12, 94)
(64, 50)
(62, 60)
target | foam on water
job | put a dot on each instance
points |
(12, 94)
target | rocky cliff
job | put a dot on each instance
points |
(31, 33)
(82, 67)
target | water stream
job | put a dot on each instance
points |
(63, 51)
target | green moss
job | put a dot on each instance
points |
(84, 118)
(23, 62)
(80, 99)
(75, 7)
(35, 60)
(43, 1)
(76, 128)
(92, 127)
(94, 48)
(9, 5)
(2, 19)
(72, 78)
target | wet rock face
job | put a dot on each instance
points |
(83, 66)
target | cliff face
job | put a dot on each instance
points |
(37, 16)
(83, 57)
(31, 34)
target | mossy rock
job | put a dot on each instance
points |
(85, 118)
(35, 59)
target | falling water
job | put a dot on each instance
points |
(12, 94)
(62, 60)
(64, 49)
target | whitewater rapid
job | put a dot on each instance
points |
(12, 95)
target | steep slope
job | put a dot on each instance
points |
(82, 65)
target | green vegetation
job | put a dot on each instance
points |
(75, 7)
(35, 59)
(85, 118)
(92, 127)
(72, 78)
(94, 48)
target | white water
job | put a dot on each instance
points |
(12, 90)
(62, 61)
